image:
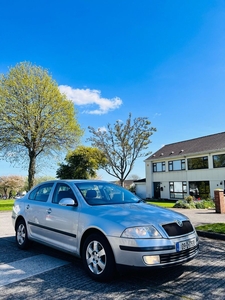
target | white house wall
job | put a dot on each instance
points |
(140, 189)
(149, 180)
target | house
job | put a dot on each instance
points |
(193, 167)
(128, 184)
(140, 187)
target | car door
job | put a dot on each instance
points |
(35, 211)
(62, 221)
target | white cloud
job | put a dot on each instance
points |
(102, 129)
(85, 97)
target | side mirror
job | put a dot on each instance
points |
(68, 202)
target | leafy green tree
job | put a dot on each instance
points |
(36, 120)
(82, 163)
(122, 144)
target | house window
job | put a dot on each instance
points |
(177, 165)
(159, 167)
(199, 189)
(219, 161)
(178, 189)
(198, 163)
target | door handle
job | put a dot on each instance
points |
(28, 206)
(49, 210)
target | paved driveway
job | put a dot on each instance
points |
(202, 216)
(43, 273)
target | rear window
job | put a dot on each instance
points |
(41, 193)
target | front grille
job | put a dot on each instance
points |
(173, 229)
(179, 256)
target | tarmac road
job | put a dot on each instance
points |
(44, 273)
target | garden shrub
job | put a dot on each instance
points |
(189, 199)
(179, 204)
(184, 204)
(205, 204)
(188, 202)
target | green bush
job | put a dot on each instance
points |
(184, 204)
(189, 199)
(179, 204)
(188, 202)
(205, 204)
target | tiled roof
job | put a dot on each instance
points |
(214, 142)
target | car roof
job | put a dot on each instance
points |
(74, 180)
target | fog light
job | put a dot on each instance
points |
(152, 259)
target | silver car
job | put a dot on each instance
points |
(104, 224)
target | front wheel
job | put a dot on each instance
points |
(21, 235)
(98, 258)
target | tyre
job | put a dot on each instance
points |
(98, 258)
(21, 235)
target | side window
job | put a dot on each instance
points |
(41, 193)
(33, 194)
(62, 190)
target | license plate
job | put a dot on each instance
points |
(181, 246)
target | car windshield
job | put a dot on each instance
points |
(98, 193)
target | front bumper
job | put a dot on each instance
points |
(160, 252)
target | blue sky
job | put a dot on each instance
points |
(161, 59)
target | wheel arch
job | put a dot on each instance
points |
(20, 218)
(89, 232)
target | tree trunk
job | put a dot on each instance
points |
(31, 170)
(5, 192)
(122, 182)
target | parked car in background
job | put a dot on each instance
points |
(105, 225)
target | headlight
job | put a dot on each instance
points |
(142, 232)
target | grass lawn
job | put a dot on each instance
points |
(6, 205)
(166, 204)
(216, 228)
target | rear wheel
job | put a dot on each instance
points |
(98, 258)
(21, 235)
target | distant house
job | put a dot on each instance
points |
(140, 188)
(192, 167)
(128, 184)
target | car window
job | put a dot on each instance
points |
(62, 190)
(92, 194)
(41, 193)
(105, 193)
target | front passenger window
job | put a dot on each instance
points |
(62, 190)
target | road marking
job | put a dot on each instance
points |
(27, 267)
